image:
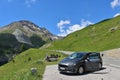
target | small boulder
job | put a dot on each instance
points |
(33, 70)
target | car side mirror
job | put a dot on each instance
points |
(102, 55)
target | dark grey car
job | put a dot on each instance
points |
(80, 62)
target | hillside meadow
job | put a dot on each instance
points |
(19, 68)
(101, 36)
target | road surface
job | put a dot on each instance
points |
(110, 71)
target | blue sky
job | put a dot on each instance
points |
(60, 17)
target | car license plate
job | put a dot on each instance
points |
(62, 68)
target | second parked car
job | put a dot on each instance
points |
(80, 62)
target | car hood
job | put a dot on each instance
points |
(68, 61)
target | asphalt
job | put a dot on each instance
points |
(111, 62)
(107, 73)
(110, 71)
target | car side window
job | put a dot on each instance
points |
(93, 56)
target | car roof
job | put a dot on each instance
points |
(86, 53)
(83, 53)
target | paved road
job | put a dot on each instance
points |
(111, 62)
(111, 71)
(64, 52)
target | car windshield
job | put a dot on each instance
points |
(76, 55)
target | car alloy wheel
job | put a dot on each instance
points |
(80, 70)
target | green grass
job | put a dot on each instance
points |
(97, 37)
(20, 69)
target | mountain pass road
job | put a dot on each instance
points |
(107, 73)
(110, 71)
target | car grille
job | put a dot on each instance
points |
(60, 65)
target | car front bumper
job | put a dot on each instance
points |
(67, 69)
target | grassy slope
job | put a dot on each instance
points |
(97, 37)
(20, 69)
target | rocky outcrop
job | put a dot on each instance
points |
(21, 37)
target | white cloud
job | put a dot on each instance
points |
(27, 3)
(62, 23)
(73, 28)
(115, 3)
(30, 2)
(116, 15)
(67, 29)
(85, 23)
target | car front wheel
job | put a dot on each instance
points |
(80, 70)
(100, 66)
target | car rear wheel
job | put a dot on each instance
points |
(80, 70)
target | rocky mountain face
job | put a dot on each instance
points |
(20, 36)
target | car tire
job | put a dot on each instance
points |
(100, 66)
(80, 70)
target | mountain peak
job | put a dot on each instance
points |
(29, 28)
(28, 23)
